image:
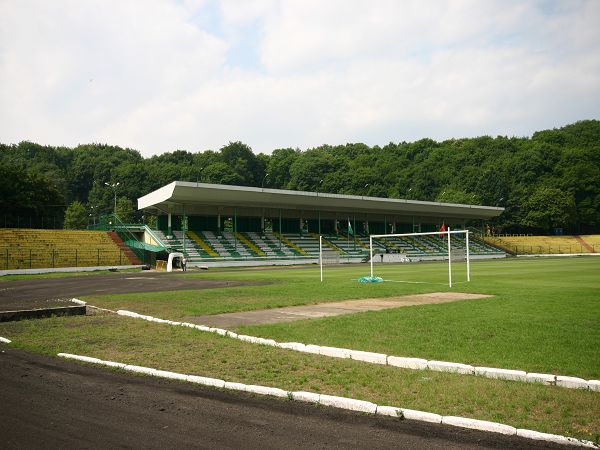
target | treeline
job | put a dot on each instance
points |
(547, 181)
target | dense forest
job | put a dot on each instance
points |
(549, 180)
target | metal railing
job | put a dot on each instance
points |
(551, 249)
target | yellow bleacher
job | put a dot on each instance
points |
(592, 240)
(24, 248)
(546, 244)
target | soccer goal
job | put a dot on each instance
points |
(327, 256)
(454, 251)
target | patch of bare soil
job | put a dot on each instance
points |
(292, 313)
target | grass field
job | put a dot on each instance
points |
(544, 317)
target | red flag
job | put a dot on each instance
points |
(443, 228)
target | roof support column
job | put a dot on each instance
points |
(235, 228)
(319, 216)
(354, 230)
(169, 229)
(183, 228)
(280, 230)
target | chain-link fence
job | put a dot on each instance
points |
(43, 222)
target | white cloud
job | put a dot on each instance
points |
(160, 77)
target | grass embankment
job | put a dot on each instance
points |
(545, 316)
(533, 406)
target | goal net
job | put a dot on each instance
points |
(450, 245)
(327, 256)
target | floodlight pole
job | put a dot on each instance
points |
(114, 188)
(449, 260)
(321, 255)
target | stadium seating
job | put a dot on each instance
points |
(204, 246)
(547, 244)
(32, 248)
(593, 241)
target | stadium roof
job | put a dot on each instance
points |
(198, 198)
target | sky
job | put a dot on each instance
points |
(163, 75)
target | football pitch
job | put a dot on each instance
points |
(543, 316)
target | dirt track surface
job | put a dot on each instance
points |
(52, 403)
(47, 292)
(292, 313)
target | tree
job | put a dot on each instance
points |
(239, 157)
(76, 217)
(220, 173)
(125, 209)
(452, 195)
(549, 207)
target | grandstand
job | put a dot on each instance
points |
(32, 248)
(225, 224)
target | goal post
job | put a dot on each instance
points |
(448, 233)
(326, 256)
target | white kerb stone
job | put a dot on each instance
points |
(77, 301)
(594, 385)
(555, 438)
(80, 358)
(407, 363)
(444, 366)
(571, 382)
(206, 381)
(66, 355)
(235, 386)
(541, 378)
(263, 341)
(219, 331)
(117, 365)
(348, 403)
(374, 358)
(412, 414)
(170, 375)
(334, 352)
(4, 340)
(501, 374)
(231, 334)
(310, 397)
(311, 349)
(391, 411)
(202, 328)
(89, 359)
(264, 390)
(140, 369)
(482, 425)
(297, 346)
